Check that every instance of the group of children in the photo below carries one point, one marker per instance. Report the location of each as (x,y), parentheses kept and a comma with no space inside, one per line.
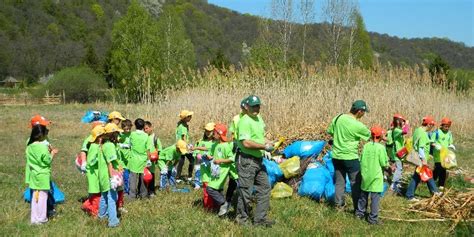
(385,151)
(119,162)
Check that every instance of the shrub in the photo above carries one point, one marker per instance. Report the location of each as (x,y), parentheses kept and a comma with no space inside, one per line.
(80,84)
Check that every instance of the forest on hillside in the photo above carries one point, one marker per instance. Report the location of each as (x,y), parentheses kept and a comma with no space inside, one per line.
(41,37)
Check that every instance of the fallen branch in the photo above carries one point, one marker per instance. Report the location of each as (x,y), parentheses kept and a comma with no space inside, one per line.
(414,220)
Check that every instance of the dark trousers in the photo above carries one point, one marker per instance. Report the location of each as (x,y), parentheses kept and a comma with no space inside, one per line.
(440,174)
(252,173)
(374,206)
(137,186)
(151,184)
(216,196)
(190,158)
(352,169)
(230,190)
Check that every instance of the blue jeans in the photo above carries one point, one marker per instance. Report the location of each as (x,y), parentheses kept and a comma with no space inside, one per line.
(168,176)
(397,176)
(126,186)
(108,207)
(197,178)
(415,180)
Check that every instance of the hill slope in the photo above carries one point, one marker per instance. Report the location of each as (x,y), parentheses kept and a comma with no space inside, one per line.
(41,37)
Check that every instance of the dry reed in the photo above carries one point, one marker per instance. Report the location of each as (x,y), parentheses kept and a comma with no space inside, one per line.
(303,100)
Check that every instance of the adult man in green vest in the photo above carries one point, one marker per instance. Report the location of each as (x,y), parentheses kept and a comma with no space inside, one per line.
(347,131)
(251,143)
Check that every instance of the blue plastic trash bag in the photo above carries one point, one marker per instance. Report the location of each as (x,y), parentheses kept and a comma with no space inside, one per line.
(27,195)
(57,194)
(328,163)
(274,172)
(385,188)
(348,184)
(330,192)
(93,115)
(317,183)
(304,149)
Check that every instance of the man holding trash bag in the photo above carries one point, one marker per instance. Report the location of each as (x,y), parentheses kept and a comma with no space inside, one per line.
(251,143)
(347,131)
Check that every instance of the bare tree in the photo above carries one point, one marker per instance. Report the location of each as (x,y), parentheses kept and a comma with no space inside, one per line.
(337,14)
(283,13)
(308,14)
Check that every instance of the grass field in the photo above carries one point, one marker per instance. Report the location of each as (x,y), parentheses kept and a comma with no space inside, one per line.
(288,108)
(170,213)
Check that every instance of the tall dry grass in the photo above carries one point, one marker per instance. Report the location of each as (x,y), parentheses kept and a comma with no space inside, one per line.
(305,98)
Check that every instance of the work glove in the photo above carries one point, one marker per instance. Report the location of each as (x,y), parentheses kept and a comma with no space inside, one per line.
(124,146)
(452,147)
(174,172)
(114,184)
(215,170)
(269,147)
(164,171)
(437,146)
(148,163)
(83,167)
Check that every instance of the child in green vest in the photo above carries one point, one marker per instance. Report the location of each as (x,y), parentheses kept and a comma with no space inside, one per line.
(169,157)
(182,133)
(396,142)
(223,157)
(154,145)
(39,160)
(91,205)
(110,176)
(202,172)
(441,137)
(139,157)
(124,152)
(422,144)
(372,163)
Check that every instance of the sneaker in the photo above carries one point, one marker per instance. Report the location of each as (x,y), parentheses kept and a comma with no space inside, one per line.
(223,209)
(265,223)
(189,179)
(377,222)
(179,181)
(114,225)
(441,188)
(243,222)
(438,194)
(122,210)
(413,200)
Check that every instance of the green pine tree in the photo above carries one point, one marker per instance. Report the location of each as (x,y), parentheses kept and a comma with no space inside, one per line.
(365,56)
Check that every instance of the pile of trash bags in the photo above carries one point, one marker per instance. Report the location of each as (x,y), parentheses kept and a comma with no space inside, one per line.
(314,180)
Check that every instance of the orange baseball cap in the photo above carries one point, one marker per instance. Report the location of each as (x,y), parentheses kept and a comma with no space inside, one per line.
(446,121)
(428,120)
(38,119)
(221,130)
(399,116)
(376,131)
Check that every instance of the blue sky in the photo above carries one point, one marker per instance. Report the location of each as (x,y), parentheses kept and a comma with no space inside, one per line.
(453,19)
